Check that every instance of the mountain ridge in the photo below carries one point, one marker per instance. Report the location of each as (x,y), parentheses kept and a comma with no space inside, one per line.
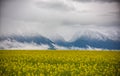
(82,41)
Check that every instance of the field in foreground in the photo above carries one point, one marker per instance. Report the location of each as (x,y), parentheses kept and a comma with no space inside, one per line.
(59,63)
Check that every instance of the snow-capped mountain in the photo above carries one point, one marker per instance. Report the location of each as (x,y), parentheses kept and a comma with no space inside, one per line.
(104,44)
(93,39)
(81,40)
(10,41)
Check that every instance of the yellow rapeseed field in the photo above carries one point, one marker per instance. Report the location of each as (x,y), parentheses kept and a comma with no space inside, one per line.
(59,63)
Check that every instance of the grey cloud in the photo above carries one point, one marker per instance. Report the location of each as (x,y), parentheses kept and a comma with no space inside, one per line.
(97,0)
(51,17)
(57,5)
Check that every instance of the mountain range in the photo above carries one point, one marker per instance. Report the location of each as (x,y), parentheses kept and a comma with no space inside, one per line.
(84,40)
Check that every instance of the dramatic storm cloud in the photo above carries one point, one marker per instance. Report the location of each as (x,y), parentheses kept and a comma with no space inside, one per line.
(51,18)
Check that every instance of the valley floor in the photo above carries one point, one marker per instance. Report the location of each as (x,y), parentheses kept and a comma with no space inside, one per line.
(59,63)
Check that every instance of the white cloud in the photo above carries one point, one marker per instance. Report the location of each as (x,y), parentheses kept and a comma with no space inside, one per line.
(94,31)
(12,44)
(60,47)
(76,48)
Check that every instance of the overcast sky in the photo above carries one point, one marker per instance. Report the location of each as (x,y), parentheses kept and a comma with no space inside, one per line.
(59,17)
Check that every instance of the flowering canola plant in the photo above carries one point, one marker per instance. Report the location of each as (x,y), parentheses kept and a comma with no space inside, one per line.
(59,63)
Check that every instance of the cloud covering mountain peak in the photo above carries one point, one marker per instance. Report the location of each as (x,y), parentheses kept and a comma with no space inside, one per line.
(97,34)
(41,42)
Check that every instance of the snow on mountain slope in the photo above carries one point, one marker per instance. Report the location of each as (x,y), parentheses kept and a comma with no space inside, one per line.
(56,37)
(97,35)
(12,44)
(81,40)
(94,39)
(8,42)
